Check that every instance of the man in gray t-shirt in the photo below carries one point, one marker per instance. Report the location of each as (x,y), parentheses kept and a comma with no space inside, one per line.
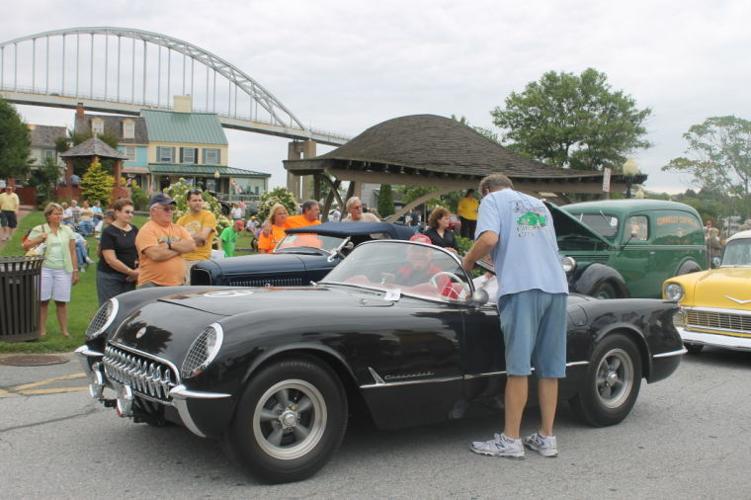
(517,230)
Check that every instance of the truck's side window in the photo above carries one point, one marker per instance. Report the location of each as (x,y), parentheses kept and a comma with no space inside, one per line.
(638,228)
(677,228)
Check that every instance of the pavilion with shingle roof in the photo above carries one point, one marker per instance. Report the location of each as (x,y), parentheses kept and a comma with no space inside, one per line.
(94,149)
(430,150)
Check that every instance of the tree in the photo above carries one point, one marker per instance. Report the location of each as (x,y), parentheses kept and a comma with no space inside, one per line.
(385,201)
(14,142)
(719,158)
(44,179)
(276,195)
(96,184)
(574,121)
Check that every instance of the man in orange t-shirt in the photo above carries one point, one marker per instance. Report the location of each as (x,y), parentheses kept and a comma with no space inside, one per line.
(311,210)
(161,245)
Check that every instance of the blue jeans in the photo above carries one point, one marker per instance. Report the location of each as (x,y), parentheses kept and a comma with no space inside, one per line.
(81,253)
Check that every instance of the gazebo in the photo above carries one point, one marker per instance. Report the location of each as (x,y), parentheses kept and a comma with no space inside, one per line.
(430,150)
(94,149)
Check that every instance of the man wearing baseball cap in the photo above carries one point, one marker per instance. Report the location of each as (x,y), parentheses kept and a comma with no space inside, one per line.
(161,244)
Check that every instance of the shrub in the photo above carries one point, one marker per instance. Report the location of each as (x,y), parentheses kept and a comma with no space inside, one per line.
(178,192)
(96,184)
(276,195)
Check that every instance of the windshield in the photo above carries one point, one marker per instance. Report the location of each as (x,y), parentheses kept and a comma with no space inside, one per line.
(603,223)
(407,267)
(310,240)
(737,253)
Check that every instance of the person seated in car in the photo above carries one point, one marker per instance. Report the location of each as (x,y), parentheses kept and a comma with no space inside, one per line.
(419,267)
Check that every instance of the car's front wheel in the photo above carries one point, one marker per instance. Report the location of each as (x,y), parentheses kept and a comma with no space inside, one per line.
(612,382)
(290,420)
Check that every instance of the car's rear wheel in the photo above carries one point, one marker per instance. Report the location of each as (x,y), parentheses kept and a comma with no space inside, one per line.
(290,420)
(612,382)
(694,348)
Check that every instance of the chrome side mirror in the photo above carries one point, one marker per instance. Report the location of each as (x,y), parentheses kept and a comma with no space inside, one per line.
(716,262)
(479,297)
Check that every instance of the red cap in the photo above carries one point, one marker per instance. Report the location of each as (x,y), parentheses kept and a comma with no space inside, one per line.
(421,238)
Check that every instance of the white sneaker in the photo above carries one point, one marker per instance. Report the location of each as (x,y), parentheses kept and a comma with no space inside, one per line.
(544,445)
(500,446)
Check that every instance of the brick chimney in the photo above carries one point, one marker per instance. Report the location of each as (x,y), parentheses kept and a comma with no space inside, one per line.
(79,111)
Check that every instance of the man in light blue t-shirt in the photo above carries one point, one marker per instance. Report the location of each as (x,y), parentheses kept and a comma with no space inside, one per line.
(517,230)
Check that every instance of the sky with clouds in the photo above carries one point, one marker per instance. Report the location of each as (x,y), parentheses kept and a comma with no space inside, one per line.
(347,65)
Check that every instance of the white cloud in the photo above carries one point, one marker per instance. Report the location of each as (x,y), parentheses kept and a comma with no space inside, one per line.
(345,66)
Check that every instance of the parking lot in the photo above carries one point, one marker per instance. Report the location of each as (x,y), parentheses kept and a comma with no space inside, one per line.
(686,437)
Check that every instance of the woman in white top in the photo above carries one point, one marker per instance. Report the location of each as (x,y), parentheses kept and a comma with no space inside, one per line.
(60,267)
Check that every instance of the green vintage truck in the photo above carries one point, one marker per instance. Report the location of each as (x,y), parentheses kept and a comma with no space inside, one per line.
(627,248)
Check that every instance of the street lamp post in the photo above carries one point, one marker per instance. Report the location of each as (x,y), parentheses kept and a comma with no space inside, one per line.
(630,170)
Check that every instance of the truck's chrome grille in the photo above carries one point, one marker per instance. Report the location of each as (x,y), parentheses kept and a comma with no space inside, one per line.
(147,376)
(740,323)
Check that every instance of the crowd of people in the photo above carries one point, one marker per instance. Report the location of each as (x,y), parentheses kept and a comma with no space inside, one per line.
(161,252)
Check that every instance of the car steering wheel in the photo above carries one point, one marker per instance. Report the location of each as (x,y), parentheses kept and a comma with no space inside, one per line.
(451,276)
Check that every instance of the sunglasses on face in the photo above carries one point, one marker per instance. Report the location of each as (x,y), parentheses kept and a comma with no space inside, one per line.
(168,208)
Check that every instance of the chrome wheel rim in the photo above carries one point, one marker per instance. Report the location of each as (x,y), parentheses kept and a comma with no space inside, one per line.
(615,378)
(289,419)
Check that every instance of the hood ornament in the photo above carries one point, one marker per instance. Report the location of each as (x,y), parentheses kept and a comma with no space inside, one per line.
(738,301)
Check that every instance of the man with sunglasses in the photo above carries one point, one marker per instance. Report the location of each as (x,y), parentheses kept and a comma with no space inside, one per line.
(161,245)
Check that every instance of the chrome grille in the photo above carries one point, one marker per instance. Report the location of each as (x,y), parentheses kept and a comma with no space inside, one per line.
(146,376)
(719,320)
(197,354)
(100,319)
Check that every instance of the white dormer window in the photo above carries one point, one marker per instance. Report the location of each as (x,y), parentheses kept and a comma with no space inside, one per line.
(129,129)
(97,126)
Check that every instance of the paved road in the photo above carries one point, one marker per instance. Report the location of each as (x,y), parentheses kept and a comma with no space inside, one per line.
(687,437)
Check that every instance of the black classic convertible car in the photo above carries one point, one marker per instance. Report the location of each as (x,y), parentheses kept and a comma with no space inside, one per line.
(306,254)
(398,328)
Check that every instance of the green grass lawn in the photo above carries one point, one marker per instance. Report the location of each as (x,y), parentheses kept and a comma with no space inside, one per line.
(83,304)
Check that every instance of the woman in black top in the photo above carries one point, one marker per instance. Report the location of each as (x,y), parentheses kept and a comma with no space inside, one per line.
(117,271)
(438,232)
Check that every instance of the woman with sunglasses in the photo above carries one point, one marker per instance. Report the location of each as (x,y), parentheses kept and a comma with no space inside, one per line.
(117,271)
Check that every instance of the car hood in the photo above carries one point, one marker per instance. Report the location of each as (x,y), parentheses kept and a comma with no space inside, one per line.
(726,287)
(228,301)
(279,262)
(167,327)
(566,224)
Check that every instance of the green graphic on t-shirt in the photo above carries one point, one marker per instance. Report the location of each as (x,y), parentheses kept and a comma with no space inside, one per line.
(530,221)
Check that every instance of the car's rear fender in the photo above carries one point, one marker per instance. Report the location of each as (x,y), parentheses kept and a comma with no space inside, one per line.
(635,335)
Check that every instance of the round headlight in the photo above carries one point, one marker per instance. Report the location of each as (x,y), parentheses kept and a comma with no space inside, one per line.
(102,319)
(674,292)
(568,264)
(203,351)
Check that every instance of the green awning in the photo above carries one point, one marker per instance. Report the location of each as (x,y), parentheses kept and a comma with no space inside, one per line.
(190,170)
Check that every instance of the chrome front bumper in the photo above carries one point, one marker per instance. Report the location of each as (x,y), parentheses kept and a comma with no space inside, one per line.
(717,340)
(179,396)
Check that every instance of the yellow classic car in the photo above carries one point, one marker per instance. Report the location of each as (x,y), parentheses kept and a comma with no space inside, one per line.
(716,304)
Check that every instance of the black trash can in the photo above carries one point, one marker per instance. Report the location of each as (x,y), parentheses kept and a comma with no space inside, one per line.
(20,282)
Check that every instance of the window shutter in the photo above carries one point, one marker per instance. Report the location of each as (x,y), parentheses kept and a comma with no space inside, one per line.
(172,155)
(182,155)
(195,155)
(218,156)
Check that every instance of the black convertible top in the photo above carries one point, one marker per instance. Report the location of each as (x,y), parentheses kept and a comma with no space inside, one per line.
(344,229)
